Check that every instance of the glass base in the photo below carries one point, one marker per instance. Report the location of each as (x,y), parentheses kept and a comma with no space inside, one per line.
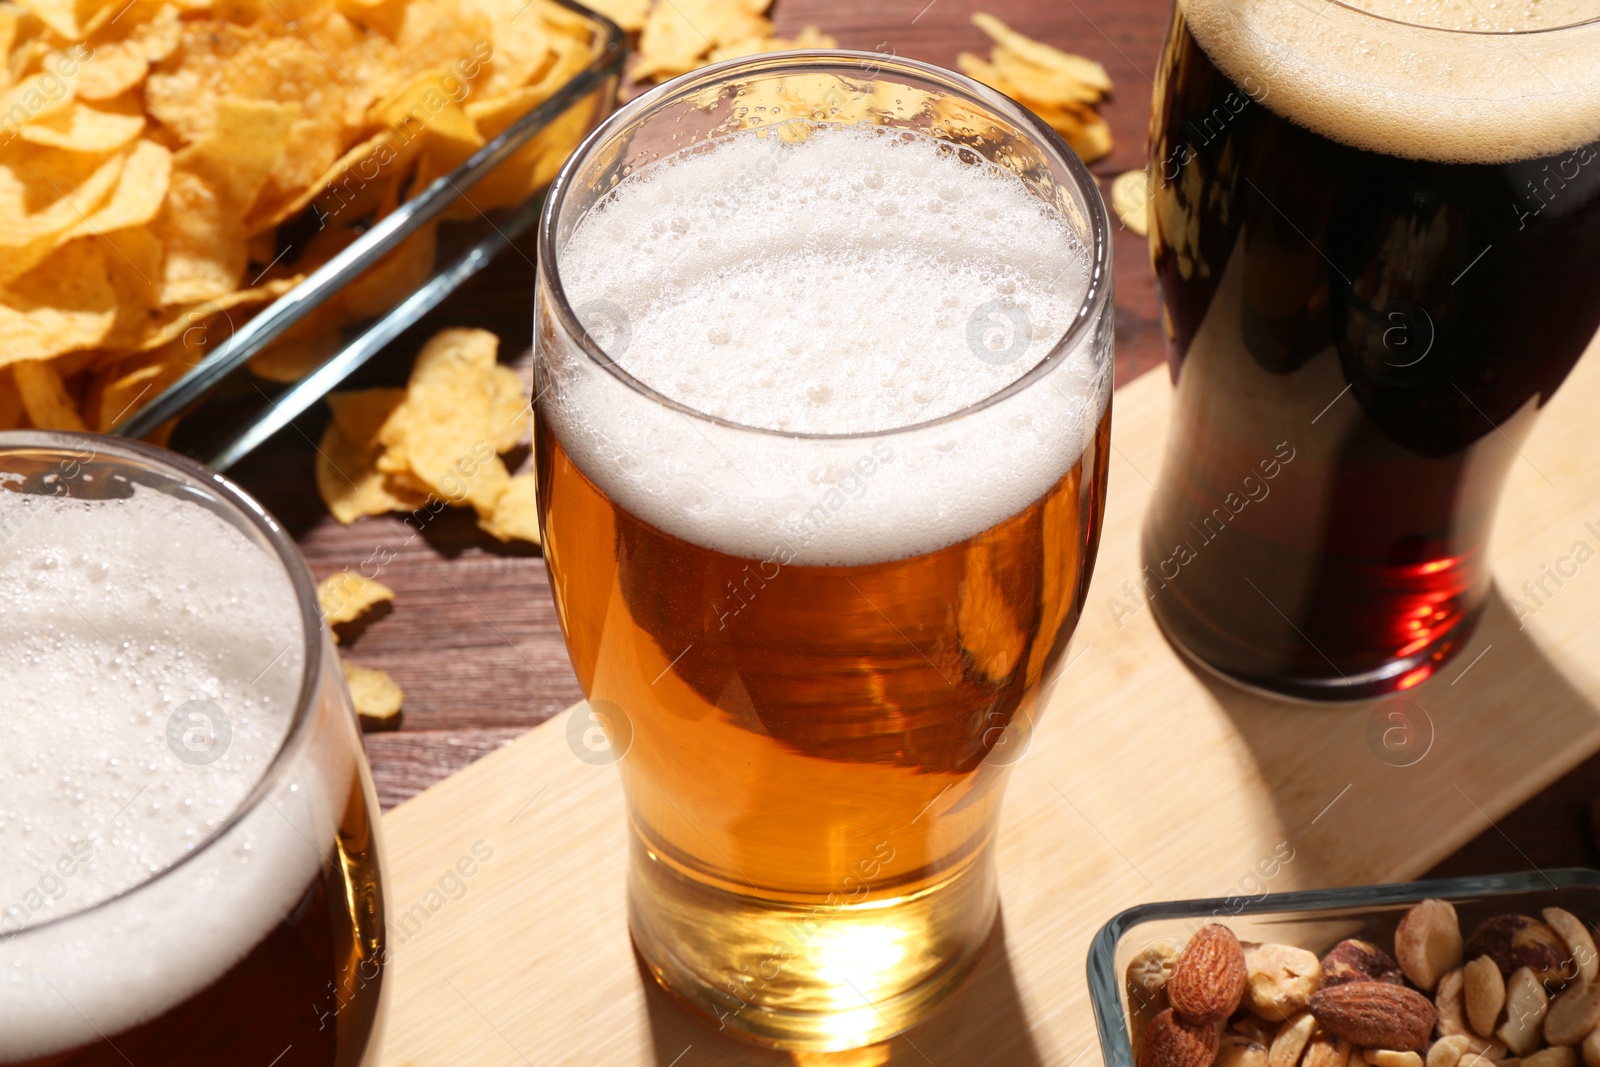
(1395,676)
(809,976)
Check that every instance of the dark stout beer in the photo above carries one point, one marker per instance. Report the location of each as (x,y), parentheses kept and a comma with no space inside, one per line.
(1377,262)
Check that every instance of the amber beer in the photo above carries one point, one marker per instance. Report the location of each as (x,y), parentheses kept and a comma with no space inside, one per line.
(208,888)
(816,555)
(1376,246)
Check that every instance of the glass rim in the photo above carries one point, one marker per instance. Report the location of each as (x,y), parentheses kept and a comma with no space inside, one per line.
(1452,32)
(824,60)
(186,471)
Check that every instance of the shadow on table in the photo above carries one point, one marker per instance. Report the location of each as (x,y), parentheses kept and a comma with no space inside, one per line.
(1495,724)
(981,1023)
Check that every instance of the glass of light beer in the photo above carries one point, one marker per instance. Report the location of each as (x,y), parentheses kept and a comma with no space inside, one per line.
(192,870)
(1376,234)
(823,367)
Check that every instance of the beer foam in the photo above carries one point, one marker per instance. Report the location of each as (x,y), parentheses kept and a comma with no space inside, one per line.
(848,281)
(117,613)
(1497,94)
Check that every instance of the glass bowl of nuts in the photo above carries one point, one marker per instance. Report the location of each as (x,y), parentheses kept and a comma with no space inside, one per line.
(1496,971)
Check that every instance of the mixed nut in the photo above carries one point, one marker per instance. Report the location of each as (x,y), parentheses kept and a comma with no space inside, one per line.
(1519,992)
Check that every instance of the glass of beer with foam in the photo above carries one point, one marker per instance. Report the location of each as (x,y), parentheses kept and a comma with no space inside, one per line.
(1375,227)
(823,368)
(192,871)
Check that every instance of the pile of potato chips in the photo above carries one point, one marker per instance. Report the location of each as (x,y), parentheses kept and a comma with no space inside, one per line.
(1061,88)
(346,597)
(437,441)
(677,36)
(168,167)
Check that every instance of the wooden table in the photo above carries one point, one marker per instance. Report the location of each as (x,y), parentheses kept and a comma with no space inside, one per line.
(473,637)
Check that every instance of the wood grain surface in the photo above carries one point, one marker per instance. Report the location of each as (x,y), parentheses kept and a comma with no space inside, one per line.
(473,636)
(1142,782)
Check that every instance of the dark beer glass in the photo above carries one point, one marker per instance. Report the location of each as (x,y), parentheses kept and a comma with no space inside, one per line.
(1377,246)
(261,940)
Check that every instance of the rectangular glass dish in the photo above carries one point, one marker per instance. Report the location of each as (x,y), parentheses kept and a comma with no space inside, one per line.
(225,409)
(1316,920)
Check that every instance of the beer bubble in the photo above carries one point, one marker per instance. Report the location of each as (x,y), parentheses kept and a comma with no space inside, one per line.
(888,208)
(819,394)
(719,335)
(872,180)
(199,732)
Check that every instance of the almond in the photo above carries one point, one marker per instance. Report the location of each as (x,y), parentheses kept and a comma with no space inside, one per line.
(1171,1041)
(1208,979)
(1376,1015)
(1579,942)
(1483,991)
(1516,941)
(1352,960)
(1427,943)
(1526,1004)
(1573,1015)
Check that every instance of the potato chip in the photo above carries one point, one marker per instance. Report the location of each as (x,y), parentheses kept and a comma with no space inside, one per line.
(679,33)
(1058,87)
(516,511)
(441,33)
(288,359)
(349,482)
(629,15)
(45,398)
(140,191)
(69,186)
(1042,55)
(1047,85)
(247,140)
(809,37)
(66,304)
(391,279)
(346,596)
(1130,199)
(66,18)
(120,395)
(360,414)
(204,238)
(376,697)
(521,45)
(443,434)
(196,324)
(82,128)
(112,69)
(510,408)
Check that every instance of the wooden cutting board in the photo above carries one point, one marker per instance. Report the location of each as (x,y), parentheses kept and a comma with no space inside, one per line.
(1144,781)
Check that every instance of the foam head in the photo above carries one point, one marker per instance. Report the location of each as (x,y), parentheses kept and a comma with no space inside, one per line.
(151,657)
(825,281)
(1498,93)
